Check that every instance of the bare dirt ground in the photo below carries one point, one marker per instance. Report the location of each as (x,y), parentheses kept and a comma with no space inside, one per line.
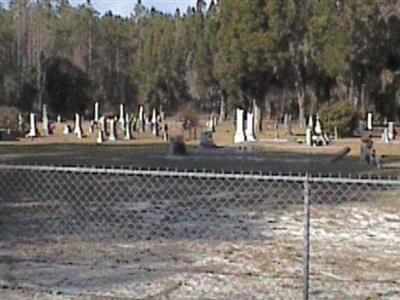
(355,254)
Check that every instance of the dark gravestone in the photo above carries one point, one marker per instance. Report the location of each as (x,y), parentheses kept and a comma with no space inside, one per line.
(8,135)
(177,146)
(206,141)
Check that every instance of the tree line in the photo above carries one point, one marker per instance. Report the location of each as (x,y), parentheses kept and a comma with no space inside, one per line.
(289,56)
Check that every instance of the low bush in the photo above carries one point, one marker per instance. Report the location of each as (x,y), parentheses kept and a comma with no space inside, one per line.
(341,115)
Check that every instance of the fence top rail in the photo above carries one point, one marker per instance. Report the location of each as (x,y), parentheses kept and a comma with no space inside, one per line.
(207,174)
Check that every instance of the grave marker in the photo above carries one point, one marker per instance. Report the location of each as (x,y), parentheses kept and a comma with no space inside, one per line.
(112,137)
(250,127)
(122,115)
(78,126)
(33,127)
(45,121)
(370,122)
(96,112)
(239,134)
(128,135)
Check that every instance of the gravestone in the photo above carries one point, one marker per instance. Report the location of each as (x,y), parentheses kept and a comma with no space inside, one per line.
(45,121)
(58,119)
(141,119)
(311,122)
(318,126)
(154,125)
(385,136)
(91,127)
(78,126)
(165,133)
(370,122)
(21,124)
(206,140)
(100,136)
(250,127)
(309,134)
(33,126)
(239,133)
(112,136)
(121,119)
(177,146)
(67,130)
(96,112)
(257,116)
(103,126)
(128,135)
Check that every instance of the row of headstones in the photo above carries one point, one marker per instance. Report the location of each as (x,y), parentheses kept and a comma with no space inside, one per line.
(125,120)
(127,123)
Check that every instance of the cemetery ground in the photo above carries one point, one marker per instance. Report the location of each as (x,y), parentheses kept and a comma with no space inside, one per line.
(145,150)
(256,255)
(354,244)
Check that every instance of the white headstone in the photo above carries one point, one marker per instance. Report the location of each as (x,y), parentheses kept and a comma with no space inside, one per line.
(112,137)
(250,128)
(33,129)
(121,119)
(309,136)
(318,126)
(311,122)
(102,123)
(385,136)
(58,119)
(154,122)
(45,121)
(128,135)
(66,130)
(96,112)
(100,137)
(141,119)
(239,134)
(369,121)
(78,127)
(91,127)
(20,122)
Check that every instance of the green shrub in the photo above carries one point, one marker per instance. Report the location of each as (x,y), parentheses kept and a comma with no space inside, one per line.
(341,115)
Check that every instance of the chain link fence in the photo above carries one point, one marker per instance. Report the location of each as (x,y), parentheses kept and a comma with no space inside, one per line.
(151,234)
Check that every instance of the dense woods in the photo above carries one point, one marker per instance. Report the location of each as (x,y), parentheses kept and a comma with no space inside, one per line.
(289,56)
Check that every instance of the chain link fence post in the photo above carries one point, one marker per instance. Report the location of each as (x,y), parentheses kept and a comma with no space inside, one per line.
(306,236)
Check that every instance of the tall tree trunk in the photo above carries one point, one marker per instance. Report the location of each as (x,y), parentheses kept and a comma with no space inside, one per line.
(301,98)
(223,108)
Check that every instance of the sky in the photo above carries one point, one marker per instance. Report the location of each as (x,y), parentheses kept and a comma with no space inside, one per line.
(125,7)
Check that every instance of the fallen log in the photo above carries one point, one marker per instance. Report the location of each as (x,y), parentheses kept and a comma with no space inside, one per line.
(340,155)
